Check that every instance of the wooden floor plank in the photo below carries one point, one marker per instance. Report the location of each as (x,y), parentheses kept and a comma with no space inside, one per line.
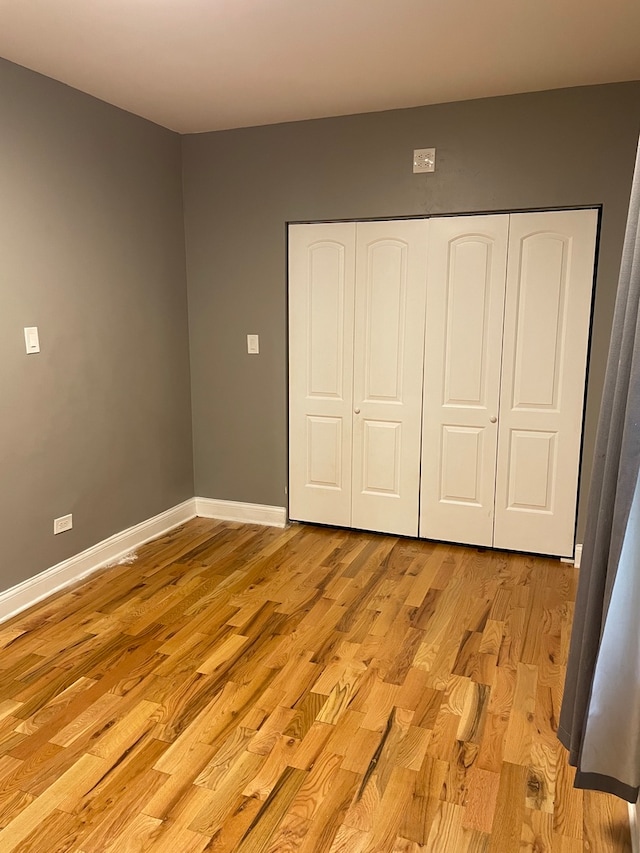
(242,689)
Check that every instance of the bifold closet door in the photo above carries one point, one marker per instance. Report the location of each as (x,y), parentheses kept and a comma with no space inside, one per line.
(356,338)
(321,301)
(464,315)
(391,261)
(546,331)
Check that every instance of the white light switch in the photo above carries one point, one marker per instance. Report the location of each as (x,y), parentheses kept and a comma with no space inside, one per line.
(32,342)
(253,344)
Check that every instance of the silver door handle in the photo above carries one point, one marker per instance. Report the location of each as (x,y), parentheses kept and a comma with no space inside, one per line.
(357,411)
(493,419)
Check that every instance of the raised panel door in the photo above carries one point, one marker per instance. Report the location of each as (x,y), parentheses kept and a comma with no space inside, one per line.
(464,315)
(389,341)
(321,300)
(547,310)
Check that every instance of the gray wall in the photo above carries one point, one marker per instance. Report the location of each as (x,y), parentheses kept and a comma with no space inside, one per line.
(561,148)
(92,252)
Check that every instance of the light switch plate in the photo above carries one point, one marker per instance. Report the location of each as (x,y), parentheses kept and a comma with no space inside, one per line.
(424,160)
(31,339)
(253,344)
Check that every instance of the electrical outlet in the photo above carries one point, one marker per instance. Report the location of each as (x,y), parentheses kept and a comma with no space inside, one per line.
(253,344)
(60,525)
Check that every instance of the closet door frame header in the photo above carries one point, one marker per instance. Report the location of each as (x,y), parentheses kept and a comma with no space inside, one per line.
(449,214)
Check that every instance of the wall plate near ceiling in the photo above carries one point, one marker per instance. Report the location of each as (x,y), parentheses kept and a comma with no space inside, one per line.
(424,160)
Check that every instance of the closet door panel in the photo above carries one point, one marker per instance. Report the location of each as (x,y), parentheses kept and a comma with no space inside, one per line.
(389,342)
(548,304)
(465,305)
(321,299)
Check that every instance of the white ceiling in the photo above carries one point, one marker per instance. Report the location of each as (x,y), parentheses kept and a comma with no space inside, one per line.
(196,65)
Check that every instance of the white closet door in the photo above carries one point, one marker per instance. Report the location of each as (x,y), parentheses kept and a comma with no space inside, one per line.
(321,299)
(389,342)
(465,304)
(547,310)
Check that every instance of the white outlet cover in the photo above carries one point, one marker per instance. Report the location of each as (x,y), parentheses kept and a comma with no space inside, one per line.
(253,344)
(424,160)
(60,525)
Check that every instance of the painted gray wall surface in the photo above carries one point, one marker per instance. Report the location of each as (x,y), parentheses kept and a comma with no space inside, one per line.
(92,252)
(551,149)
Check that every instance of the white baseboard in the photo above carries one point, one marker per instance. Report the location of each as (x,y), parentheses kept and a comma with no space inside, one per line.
(273,516)
(634,826)
(34,589)
(575,560)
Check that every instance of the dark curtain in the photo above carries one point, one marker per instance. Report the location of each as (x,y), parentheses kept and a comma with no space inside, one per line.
(600,717)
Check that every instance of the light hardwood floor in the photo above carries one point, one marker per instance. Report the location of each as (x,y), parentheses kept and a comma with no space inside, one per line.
(249,689)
